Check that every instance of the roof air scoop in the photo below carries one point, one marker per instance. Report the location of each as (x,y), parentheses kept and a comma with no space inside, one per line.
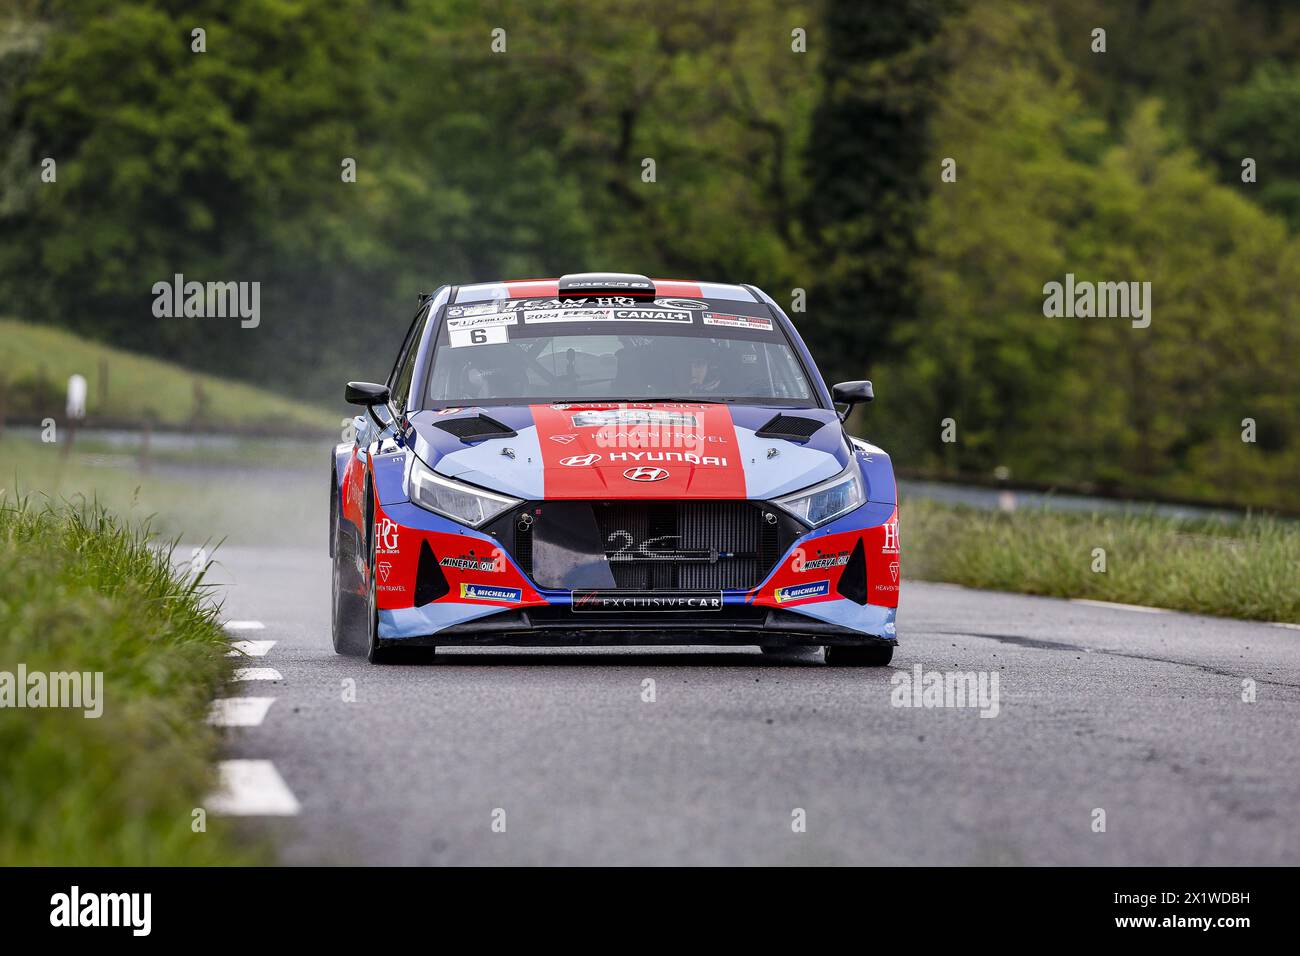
(590,285)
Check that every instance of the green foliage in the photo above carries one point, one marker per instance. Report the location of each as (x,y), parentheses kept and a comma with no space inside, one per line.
(817,170)
(80,592)
(1261,119)
(867,172)
(471,165)
(1093,401)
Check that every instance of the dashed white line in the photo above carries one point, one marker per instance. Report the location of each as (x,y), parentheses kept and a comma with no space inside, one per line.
(1122,607)
(257,673)
(250,648)
(251,788)
(244,626)
(239,711)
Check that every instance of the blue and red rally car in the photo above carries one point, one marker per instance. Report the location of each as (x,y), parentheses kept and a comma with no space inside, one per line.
(609,459)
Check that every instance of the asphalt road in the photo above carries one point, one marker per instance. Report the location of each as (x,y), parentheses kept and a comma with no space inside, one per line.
(1139,715)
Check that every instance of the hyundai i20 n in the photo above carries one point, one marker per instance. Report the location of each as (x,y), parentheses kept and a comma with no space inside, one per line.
(606,459)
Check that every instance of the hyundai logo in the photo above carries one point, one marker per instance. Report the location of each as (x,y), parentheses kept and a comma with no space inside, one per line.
(646,474)
(581,461)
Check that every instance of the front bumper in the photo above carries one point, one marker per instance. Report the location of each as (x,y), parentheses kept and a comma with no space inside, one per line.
(738,622)
(484,597)
(541,627)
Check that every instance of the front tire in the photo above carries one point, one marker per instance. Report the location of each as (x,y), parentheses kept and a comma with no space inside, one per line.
(347,607)
(859,655)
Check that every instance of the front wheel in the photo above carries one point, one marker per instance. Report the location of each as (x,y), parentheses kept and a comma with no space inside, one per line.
(859,655)
(348,608)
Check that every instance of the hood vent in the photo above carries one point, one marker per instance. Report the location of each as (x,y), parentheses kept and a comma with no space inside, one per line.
(790,427)
(475,428)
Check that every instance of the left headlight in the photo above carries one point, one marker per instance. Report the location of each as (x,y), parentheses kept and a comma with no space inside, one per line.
(455,499)
(829,499)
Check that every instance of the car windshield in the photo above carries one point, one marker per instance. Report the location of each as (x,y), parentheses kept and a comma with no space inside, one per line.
(537,350)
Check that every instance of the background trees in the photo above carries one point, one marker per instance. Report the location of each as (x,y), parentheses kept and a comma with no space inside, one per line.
(818,170)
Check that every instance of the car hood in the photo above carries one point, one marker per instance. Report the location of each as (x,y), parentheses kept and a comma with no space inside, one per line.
(607,450)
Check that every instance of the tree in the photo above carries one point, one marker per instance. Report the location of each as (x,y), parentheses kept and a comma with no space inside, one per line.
(867,174)
(1261,119)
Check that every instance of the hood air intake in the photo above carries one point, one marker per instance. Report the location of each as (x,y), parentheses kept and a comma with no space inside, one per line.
(790,427)
(475,428)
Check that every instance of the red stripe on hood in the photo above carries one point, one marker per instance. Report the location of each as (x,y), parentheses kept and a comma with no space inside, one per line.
(595,450)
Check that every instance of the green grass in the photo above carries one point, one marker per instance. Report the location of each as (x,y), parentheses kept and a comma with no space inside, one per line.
(39,359)
(260,492)
(80,591)
(1248,569)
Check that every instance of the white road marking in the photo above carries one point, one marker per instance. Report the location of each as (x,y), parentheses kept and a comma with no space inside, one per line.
(257,673)
(1122,607)
(1294,627)
(251,788)
(250,648)
(239,711)
(244,626)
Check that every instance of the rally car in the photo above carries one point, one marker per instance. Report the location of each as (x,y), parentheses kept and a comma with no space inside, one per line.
(606,459)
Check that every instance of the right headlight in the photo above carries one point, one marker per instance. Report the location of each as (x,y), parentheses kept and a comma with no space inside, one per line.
(455,499)
(829,499)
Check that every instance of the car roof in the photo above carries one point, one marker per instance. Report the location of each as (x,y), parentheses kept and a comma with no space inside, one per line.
(550,288)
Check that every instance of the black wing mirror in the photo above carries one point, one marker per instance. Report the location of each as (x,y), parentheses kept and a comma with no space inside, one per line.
(369,395)
(850,394)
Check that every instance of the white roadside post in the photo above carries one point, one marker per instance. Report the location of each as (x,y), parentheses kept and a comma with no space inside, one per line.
(76,407)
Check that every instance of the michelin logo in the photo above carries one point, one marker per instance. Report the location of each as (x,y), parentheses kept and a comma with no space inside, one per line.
(484,592)
(797,592)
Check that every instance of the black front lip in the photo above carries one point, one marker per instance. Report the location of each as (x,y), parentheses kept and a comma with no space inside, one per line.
(542,627)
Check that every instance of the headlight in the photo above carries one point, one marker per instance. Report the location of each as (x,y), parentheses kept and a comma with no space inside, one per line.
(828,500)
(454,499)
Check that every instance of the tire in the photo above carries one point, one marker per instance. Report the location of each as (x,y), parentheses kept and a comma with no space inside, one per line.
(347,608)
(859,655)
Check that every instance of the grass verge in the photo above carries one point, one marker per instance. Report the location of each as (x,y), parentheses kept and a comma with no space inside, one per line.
(277,496)
(80,591)
(1248,569)
(124,387)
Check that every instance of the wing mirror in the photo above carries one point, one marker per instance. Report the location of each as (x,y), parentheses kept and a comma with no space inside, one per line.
(850,394)
(368,394)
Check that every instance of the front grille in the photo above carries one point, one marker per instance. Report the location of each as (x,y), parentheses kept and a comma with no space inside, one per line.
(677,545)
